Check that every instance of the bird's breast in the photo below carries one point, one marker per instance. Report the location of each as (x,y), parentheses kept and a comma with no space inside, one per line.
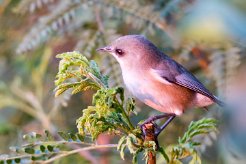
(167,98)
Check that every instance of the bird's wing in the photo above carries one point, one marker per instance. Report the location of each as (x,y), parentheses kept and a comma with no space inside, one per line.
(174,73)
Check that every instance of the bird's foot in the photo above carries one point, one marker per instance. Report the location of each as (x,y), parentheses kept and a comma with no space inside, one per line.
(158,129)
(148,130)
(142,126)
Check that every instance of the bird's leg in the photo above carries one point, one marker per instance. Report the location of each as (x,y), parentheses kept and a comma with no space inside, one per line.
(157,117)
(160,129)
(153,118)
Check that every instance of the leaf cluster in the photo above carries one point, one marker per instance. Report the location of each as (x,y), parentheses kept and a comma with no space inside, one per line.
(77,73)
(187,144)
(106,114)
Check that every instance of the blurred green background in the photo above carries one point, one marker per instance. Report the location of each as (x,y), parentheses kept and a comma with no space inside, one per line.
(207,37)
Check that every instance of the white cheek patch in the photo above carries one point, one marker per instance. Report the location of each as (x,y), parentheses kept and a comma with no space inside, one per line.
(156,76)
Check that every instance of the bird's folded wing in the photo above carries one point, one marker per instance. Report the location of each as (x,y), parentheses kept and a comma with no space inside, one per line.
(177,74)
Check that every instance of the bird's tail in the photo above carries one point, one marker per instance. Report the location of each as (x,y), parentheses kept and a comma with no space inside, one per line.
(219,102)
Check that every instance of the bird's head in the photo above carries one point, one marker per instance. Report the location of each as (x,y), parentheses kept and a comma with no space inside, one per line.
(130,50)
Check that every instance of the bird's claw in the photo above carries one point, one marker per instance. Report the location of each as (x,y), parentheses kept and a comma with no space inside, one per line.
(148,122)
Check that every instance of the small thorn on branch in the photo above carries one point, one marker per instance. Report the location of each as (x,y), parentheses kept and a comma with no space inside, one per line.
(149,135)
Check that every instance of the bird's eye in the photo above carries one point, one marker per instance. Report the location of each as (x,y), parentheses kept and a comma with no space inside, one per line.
(119,52)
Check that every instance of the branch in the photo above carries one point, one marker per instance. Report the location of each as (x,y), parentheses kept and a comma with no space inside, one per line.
(149,131)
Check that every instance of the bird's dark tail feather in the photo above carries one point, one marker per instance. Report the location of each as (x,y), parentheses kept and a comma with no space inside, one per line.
(219,102)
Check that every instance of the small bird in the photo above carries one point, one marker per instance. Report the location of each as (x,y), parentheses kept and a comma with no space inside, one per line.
(156,79)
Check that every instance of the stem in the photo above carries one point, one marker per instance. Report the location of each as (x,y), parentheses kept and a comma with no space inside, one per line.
(149,131)
(79,150)
(101,85)
(127,118)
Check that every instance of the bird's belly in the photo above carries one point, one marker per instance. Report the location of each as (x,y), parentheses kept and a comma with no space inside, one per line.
(162,97)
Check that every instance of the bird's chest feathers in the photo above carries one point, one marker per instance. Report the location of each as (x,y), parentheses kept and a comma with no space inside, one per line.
(160,95)
(147,89)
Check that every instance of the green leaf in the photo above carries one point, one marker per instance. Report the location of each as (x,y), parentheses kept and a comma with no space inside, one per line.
(122,153)
(17,160)
(120,91)
(50,148)
(29,150)
(31,137)
(121,141)
(42,148)
(135,159)
(130,142)
(33,158)
(130,106)
(195,159)
(80,137)
(60,91)
(135,156)
(73,136)
(164,154)
(49,137)
(94,67)
(64,136)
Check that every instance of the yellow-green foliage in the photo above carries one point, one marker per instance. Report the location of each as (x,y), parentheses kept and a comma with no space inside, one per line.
(76,72)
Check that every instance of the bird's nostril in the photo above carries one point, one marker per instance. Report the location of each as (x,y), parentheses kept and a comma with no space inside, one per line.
(105,49)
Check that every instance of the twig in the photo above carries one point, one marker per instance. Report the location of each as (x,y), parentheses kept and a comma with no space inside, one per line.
(79,150)
(87,155)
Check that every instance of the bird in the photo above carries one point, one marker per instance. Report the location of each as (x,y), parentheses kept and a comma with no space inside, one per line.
(158,80)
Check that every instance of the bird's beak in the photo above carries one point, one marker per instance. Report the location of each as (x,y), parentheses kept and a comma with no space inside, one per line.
(105,49)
